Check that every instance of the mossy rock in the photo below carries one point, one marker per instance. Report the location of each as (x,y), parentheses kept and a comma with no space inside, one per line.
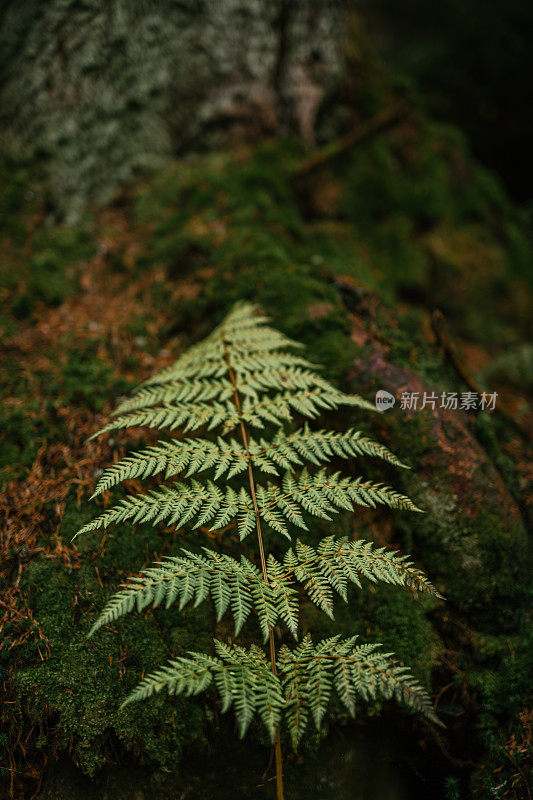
(230,227)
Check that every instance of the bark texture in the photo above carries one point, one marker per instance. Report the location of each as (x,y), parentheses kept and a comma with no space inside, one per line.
(105,90)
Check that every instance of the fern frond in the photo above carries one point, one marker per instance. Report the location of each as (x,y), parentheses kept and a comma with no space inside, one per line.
(310,672)
(188,456)
(316,447)
(184,579)
(210,505)
(244,365)
(244,331)
(182,391)
(188,416)
(196,391)
(277,410)
(242,678)
(239,586)
(192,578)
(341,562)
(240,377)
(307,676)
(279,377)
(320,495)
(280,408)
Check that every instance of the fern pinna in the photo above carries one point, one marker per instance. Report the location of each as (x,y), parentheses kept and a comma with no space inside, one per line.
(241,378)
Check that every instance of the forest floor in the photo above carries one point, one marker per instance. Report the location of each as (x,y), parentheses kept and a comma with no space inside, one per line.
(353,260)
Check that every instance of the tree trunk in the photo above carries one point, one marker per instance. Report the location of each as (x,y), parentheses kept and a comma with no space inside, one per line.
(107,90)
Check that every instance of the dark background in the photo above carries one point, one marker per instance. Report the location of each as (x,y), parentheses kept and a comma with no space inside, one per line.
(472,61)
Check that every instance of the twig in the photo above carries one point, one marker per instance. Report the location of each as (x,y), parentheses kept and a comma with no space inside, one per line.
(334,150)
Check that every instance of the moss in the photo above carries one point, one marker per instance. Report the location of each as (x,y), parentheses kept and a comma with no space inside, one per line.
(426,212)
(243,222)
(421,212)
(52,270)
(21,194)
(427,176)
(494,432)
(401,624)
(20,437)
(378,184)
(41,262)
(502,673)
(401,259)
(479,559)
(408,347)
(85,379)
(82,682)
(75,375)
(501,680)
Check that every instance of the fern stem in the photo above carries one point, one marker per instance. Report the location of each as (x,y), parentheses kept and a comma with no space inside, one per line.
(272,645)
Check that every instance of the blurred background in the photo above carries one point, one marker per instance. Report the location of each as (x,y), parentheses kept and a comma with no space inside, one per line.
(363,171)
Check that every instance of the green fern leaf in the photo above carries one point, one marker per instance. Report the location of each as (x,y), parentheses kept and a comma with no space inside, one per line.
(193,577)
(241,377)
(242,678)
(310,672)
